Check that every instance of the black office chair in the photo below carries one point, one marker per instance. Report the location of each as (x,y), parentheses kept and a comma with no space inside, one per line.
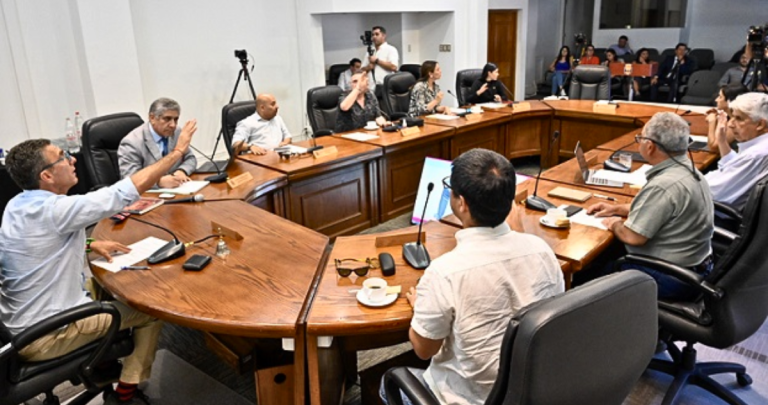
(397,94)
(705,58)
(592,343)
(702,88)
(733,305)
(21,380)
(231,114)
(600,53)
(723,67)
(101,139)
(590,82)
(464,81)
(653,55)
(665,53)
(334,72)
(322,109)
(413,69)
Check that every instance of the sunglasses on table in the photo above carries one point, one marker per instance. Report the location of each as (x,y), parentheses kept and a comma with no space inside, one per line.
(345,267)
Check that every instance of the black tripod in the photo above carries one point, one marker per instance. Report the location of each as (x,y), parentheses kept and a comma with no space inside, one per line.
(755,70)
(243,74)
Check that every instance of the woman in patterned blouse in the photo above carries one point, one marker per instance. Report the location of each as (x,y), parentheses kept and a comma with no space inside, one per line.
(358,105)
(426,95)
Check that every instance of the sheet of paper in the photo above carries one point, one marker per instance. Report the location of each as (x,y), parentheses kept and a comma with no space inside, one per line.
(458,110)
(188,188)
(582,218)
(494,106)
(292,149)
(443,117)
(360,136)
(637,177)
(140,250)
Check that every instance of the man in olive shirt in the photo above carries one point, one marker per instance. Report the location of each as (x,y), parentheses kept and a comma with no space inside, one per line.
(672,217)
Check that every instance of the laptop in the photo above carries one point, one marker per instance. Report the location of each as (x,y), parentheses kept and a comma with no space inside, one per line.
(217,166)
(589,175)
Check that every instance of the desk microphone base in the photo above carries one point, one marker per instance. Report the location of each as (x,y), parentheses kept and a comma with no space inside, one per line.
(415,254)
(538,204)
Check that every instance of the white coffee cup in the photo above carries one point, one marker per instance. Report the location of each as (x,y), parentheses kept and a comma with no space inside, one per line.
(375,289)
(371,124)
(553,214)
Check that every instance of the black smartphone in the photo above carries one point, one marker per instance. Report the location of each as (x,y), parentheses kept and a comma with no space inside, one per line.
(571,210)
(196,262)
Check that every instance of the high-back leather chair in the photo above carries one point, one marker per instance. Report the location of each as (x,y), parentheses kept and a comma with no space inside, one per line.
(464,80)
(231,114)
(22,380)
(101,139)
(653,55)
(702,88)
(592,343)
(334,72)
(413,69)
(732,306)
(705,58)
(590,82)
(397,94)
(322,109)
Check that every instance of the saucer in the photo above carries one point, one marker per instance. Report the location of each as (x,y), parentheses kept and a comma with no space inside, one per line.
(363,299)
(545,221)
(371,128)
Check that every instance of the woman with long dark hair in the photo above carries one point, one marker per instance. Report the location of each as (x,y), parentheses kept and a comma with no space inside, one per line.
(426,95)
(561,66)
(487,88)
(642,83)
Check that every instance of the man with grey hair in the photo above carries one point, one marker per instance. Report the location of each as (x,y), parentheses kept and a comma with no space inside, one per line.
(152,141)
(737,173)
(672,217)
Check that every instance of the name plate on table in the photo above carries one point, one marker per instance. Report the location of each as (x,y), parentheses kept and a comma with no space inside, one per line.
(473,117)
(604,108)
(522,106)
(327,151)
(410,131)
(220,229)
(238,181)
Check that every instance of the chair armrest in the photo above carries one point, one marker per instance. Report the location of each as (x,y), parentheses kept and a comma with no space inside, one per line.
(728,211)
(724,234)
(322,132)
(400,379)
(64,318)
(681,273)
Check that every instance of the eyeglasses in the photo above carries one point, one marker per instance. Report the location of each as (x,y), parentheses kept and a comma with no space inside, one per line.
(66,156)
(447,182)
(638,138)
(345,267)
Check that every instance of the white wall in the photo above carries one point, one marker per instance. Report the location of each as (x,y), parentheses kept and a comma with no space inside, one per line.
(12,119)
(341,34)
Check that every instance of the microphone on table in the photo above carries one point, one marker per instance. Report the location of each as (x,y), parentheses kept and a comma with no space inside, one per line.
(192,198)
(415,253)
(461,114)
(535,202)
(220,177)
(169,251)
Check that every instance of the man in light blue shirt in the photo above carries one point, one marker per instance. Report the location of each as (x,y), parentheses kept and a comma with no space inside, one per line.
(42,254)
(737,173)
(263,130)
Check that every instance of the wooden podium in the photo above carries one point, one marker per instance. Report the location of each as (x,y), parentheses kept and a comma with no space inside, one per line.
(633,70)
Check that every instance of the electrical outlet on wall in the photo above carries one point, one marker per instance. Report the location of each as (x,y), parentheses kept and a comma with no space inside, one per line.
(445,47)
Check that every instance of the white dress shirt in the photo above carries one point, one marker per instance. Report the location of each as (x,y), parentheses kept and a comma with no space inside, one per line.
(387,53)
(257,131)
(737,173)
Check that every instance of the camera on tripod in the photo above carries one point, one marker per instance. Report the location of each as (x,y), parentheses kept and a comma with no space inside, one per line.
(580,39)
(757,40)
(242,54)
(367,39)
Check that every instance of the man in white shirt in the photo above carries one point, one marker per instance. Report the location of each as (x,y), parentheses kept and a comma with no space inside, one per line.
(262,131)
(466,297)
(346,77)
(737,173)
(385,60)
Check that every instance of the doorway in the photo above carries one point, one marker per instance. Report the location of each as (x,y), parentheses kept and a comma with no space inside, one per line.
(502,45)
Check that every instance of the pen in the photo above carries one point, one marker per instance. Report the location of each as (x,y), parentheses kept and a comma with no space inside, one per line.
(605,197)
(134,268)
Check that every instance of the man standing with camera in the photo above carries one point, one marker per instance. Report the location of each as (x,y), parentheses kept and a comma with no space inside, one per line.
(383,61)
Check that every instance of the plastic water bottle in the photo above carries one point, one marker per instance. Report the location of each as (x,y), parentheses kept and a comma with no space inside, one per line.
(444,199)
(73,144)
(79,120)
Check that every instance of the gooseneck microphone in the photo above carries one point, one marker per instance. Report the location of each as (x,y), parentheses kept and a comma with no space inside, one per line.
(535,202)
(506,90)
(415,253)
(220,177)
(169,251)
(192,198)
(461,114)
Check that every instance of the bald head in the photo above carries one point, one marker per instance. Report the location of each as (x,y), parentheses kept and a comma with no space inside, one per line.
(266,106)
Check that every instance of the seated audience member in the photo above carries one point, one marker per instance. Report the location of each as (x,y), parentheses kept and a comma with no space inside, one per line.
(737,173)
(589,57)
(487,88)
(610,57)
(561,67)
(462,305)
(344,78)
(358,105)
(622,48)
(42,257)
(426,95)
(736,73)
(671,72)
(672,217)
(642,85)
(725,95)
(152,141)
(263,130)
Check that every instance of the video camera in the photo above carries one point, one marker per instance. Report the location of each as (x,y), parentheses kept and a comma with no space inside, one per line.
(242,54)
(367,39)
(757,40)
(579,39)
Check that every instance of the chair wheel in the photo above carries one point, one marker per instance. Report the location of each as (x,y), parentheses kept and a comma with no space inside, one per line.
(743,379)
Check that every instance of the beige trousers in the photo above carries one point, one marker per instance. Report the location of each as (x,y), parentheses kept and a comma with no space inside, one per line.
(136,367)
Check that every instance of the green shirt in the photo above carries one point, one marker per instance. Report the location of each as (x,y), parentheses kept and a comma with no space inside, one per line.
(675,212)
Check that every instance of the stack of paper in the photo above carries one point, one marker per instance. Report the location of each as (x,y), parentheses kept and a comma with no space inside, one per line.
(140,250)
(637,177)
(292,149)
(492,106)
(188,188)
(443,117)
(359,136)
(582,218)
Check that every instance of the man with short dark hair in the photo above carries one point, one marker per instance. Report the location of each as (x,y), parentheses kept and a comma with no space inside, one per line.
(344,78)
(466,297)
(622,48)
(672,217)
(154,139)
(735,74)
(42,255)
(671,72)
(384,60)
(263,130)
